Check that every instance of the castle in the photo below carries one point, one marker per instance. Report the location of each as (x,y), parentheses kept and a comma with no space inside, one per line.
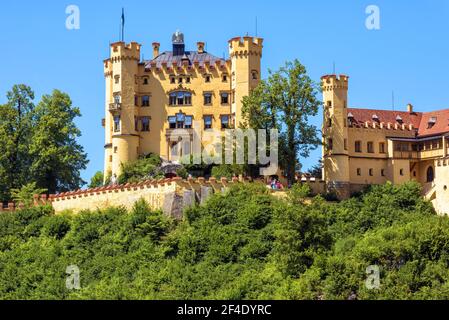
(365,146)
(147,100)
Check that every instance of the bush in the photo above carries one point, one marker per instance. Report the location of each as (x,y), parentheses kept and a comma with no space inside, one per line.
(227,171)
(298,193)
(142,169)
(243,243)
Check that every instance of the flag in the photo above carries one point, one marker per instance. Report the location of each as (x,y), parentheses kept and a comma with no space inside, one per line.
(123,24)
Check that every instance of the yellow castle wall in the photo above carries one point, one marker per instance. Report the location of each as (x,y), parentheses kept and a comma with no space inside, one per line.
(124,64)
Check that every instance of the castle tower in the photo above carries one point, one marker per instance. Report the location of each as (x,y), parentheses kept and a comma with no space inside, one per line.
(122,139)
(246,55)
(335,134)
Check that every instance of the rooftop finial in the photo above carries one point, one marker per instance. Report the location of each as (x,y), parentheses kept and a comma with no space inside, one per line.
(178,37)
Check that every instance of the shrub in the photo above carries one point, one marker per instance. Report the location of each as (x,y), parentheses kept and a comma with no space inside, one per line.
(227,171)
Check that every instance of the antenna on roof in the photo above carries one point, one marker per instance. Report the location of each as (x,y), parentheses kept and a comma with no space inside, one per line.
(256,26)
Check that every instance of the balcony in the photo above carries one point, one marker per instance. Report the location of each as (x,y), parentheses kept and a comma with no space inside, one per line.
(116,106)
(419,155)
(406,155)
(188,133)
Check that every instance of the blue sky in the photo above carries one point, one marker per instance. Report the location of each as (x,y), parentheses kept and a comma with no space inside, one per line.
(409,54)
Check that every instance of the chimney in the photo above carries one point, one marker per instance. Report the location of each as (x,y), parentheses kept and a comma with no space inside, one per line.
(409,108)
(156,46)
(200,47)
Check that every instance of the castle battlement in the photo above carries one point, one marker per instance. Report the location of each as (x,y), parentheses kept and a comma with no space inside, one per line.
(332,82)
(242,47)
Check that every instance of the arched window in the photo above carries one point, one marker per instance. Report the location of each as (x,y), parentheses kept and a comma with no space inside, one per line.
(180,98)
(430,174)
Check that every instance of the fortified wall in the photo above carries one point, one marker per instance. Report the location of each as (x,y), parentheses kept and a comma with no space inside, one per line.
(171,196)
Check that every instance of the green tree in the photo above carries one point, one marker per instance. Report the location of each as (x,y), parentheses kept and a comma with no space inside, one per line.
(57,158)
(286,101)
(15,130)
(26,194)
(97,180)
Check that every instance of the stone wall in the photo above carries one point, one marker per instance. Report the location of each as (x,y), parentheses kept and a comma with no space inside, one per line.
(169,195)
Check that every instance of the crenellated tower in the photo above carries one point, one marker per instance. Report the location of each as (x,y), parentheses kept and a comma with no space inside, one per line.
(246,55)
(335,134)
(121,72)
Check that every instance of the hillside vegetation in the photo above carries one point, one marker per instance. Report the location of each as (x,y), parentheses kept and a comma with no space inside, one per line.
(244,244)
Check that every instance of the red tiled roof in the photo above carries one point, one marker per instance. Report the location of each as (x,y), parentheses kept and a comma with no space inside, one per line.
(419,120)
(441,125)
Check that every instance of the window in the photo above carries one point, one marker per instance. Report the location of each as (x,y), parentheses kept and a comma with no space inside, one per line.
(207,122)
(117,79)
(431,122)
(172,80)
(255,75)
(359,171)
(430,174)
(345,144)
(188,122)
(136,123)
(188,80)
(117,99)
(358,146)
(180,80)
(145,81)
(329,123)
(382,172)
(224,122)
(382,147)
(180,119)
(145,101)
(330,144)
(207,79)
(115,149)
(207,99)
(224,78)
(370,147)
(224,98)
(172,122)
(371,172)
(117,124)
(180,98)
(145,124)
(401,172)
(329,103)
(136,101)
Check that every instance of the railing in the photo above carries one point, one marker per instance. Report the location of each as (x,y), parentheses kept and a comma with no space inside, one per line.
(180,131)
(406,154)
(116,106)
(424,154)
